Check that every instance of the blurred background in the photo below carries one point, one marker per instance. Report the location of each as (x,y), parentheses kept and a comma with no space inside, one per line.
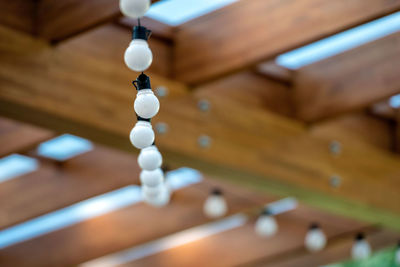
(284,114)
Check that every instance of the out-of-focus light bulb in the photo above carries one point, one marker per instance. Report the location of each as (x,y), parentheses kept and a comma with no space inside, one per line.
(142,135)
(161,199)
(361,249)
(315,239)
(151,191)
(138,56)
(134,8)
(266,225)
(397,255)
(150,158)
(152,178)
(215,205)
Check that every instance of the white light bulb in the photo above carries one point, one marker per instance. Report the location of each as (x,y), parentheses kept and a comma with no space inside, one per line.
(159,200)
(150,158)
(146,104)
(134,8)
(397,255)
(142,135)
(151,191)
(361,249)
(138,56)
(266,225)
(215,205)
(315,239)
(152,178)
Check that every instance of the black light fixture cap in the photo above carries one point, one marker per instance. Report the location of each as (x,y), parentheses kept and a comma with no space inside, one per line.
(216,192)
(360,236)
(142,119)
(314,226)
(142,82)
(140,32)
(266,212)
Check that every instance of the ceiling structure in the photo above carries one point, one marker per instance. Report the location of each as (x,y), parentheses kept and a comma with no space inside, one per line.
(324,132)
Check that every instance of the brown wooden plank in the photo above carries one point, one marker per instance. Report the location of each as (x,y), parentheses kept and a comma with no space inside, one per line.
(124,228)
(53,187)
(17,137)
(337,251)
(358,127)
(241,246)
(18,14)
(349,81)
(249,32)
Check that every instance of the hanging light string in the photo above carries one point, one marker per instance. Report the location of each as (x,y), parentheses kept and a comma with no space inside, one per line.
(138,57)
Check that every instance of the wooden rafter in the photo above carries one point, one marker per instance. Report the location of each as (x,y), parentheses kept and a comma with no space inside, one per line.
(349,81)
(252,31)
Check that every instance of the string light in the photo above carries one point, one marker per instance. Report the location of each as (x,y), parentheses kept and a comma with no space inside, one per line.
(361,249)
(397,255)
(152,178)
(266,225)
(215,205)
(138,57)
(142,134)
(134,8)
(150,158)
(315,238)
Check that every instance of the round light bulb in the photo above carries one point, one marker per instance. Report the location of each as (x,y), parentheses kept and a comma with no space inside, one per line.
(152,178)
(134,8)
(215,206)
(361,249)
(150,158)
(397,255)
(146,104)
(315,239)
(266,225)
(138,56)
(142,135)
(151,191)
(161,199)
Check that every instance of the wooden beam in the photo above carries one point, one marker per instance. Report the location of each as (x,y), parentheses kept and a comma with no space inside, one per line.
(55,20)
(16,137)
(349,81)
(123,228)
(246,33)
(53,187)
(244,138)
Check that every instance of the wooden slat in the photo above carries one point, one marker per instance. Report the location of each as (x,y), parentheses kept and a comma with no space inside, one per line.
(244,138)
(123,228)
(358,127)
(16,137)
(336,251)
(53,187)
(241,246)
(250,32)
(349,81)
(55,20)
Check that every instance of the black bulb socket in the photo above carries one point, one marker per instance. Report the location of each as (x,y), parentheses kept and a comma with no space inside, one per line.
(216,192)
(142,82)
(360,237)
(142,119)
(140,32)
(314,226)
(266,212)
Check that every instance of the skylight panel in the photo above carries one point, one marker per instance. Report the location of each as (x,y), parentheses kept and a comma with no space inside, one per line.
(340,42)
(16,165)
(64,147)
(90,208)
(175,12)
